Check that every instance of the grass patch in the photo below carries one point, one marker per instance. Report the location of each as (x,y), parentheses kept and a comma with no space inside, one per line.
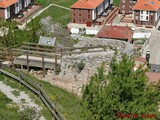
(9,110)
(116,2)
(16,93)
(67,103)
(65,3)
(16,85)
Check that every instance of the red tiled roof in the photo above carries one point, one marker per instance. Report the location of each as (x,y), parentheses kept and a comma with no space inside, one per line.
(153,77)
(140,59)
(87,4)
(7,3)
(152,5)
(116,32)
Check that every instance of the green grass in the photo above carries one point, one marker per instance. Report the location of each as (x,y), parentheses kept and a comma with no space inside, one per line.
(67,103)
(59,15)
(66,3)
(10,111)
(116,2)
(15,85)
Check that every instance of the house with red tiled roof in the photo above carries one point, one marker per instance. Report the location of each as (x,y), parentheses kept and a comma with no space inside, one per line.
(116,32)
(11,8)
(146,12)
(87,11)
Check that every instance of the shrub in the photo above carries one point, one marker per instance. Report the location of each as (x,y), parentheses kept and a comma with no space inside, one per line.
(81,65)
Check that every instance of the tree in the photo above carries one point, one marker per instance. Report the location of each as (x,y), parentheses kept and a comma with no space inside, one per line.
(123,91)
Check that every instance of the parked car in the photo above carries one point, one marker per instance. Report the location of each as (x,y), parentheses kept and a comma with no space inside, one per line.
(142,30)
(148,51)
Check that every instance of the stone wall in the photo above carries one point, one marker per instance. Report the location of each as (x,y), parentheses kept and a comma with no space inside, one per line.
(74,78)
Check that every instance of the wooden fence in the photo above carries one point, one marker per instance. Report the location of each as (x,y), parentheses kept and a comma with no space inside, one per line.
(45,57)
(34,87)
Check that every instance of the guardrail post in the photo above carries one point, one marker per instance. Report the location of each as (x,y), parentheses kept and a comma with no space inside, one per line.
(43,65)
(27,55)
(12,63)
(55,67)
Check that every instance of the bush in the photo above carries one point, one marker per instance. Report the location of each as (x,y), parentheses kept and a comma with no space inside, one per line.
(81,65)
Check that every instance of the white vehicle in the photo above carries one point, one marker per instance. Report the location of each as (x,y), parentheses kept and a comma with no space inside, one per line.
(142,30)
(133,29)
(148,52)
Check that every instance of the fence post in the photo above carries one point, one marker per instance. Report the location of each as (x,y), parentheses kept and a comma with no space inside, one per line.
(11,52)
(43,65)
(55,69)
(61,52)
(86,49)
(27,55)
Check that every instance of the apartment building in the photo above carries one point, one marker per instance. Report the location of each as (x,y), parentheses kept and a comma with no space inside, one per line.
(126,6)
(84,11)
(146,12)
(11,8)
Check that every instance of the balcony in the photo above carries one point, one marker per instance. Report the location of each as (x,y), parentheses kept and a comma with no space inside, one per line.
(23,16)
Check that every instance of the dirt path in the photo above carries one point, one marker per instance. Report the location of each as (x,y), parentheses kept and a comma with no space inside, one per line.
(21,99)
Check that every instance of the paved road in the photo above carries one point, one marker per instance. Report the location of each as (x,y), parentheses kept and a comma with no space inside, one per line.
(154,47)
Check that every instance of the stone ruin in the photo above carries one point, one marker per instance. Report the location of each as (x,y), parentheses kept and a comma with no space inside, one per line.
(71,78)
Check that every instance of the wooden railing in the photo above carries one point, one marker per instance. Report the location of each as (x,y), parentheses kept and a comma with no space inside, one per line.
(29,54)
(34,87)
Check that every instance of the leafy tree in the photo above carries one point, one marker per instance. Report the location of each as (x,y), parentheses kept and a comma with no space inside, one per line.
(123,90)
(14,36)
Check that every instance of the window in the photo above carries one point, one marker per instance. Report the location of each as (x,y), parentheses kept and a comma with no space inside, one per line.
(20,4)
(74,20)
(88,16)
(146,17)
(79,14)
(136,12)
(16,5)
(88,11)
(147,12)
(8,12)
(141,12)
(79,20)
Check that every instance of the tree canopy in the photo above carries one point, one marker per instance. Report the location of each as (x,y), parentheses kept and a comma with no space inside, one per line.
(120,93)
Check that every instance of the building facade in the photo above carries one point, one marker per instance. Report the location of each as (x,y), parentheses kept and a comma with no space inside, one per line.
(126,6)
(11,8)
(146,12)
(84,11)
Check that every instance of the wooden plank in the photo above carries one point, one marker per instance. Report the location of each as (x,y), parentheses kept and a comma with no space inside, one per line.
(43,63)
(35,52)
(37,48)
(27,55)
(35,44)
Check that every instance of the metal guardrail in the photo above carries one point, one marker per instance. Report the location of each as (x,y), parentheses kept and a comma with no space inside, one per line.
(34,87)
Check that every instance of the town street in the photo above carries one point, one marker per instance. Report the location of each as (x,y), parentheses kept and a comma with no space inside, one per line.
(154,47)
